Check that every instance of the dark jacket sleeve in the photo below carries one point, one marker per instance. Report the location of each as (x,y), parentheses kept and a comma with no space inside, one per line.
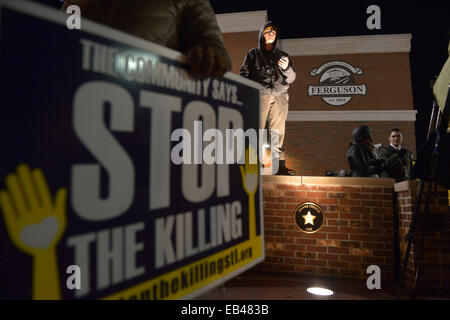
(410,164)
(388,158)
(359,164)
(410,156)
(247,65)
(199,25)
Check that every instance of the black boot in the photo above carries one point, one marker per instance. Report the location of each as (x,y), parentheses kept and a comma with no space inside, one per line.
(283,170)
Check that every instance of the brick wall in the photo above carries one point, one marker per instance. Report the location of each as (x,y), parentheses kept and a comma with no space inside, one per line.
(312,147)
(435,275)
(357,231)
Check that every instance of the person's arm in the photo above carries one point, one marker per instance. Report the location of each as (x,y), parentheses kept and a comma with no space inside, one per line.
(373,168)
(357,161)
(289,71)
(411,165)
(245,68)
(389,159)
(201,38)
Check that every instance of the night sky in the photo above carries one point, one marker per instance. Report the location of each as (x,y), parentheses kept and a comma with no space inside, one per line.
(427,21)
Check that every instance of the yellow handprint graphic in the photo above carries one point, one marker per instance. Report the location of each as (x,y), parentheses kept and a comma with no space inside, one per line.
(250,179)
(35,225)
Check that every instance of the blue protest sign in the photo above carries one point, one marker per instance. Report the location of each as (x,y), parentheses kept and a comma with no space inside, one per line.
(101,196)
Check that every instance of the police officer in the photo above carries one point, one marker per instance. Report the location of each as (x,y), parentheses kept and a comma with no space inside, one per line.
(398,161)
(361,156)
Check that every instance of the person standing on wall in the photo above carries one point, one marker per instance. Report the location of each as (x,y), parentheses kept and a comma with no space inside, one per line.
(274,70)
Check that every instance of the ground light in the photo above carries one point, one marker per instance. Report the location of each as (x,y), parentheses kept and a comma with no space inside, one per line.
(320,291)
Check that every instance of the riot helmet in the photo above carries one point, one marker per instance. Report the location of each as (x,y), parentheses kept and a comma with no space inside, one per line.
(361,133)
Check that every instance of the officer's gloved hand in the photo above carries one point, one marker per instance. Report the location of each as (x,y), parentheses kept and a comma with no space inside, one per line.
(390,162)
(208,61)
(395,156)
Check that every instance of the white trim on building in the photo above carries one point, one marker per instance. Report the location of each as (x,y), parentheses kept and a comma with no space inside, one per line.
(353,115)
(347,45)
(241,21)
(253,20)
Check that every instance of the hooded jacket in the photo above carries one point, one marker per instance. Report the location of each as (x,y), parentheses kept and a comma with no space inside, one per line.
(261,66)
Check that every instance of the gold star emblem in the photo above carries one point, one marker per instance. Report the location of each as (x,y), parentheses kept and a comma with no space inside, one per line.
(309,218)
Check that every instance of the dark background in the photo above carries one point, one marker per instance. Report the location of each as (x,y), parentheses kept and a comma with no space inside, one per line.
(427,21)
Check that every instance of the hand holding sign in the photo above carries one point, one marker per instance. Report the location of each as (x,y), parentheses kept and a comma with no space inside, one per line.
(250,183)
(35,225)
(208,61)
(250,173)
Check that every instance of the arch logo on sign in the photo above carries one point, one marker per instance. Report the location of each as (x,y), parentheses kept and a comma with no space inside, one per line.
(337,83)
(309,217)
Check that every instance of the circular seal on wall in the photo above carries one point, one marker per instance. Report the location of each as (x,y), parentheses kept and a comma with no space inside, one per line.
(309,217)
(337,84)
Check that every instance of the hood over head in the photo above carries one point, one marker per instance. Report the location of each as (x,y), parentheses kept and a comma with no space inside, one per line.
(262,41)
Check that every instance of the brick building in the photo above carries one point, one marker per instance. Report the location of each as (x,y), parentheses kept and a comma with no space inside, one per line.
(319,124)
(343,82)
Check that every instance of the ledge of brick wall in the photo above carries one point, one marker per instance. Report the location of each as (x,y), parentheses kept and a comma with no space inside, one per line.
(358,228)
(331,181)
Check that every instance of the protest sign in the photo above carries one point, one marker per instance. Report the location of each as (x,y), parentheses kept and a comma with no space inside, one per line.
(93,205)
